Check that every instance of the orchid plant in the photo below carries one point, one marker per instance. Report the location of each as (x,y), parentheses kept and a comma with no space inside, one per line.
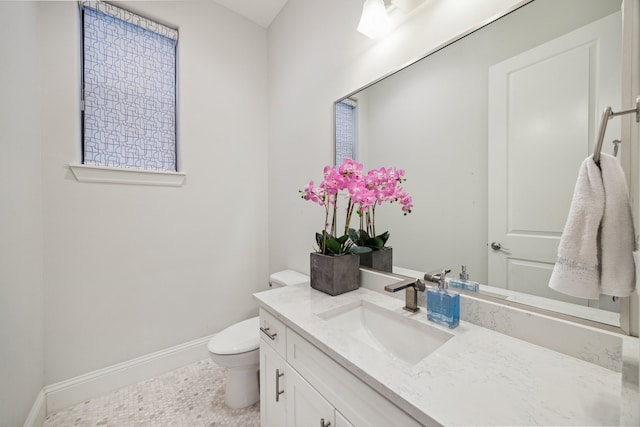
(365,192)
(378,186)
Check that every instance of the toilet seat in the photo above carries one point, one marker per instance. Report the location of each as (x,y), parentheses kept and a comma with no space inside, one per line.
(238,338)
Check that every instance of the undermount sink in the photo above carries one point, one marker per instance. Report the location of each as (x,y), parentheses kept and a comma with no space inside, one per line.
(387,331)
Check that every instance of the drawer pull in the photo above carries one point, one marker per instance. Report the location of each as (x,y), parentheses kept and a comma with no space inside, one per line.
(266,332)
(322,423)
(278,391)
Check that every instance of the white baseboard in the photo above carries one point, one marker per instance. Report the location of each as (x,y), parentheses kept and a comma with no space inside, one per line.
(96,383)
(38,411)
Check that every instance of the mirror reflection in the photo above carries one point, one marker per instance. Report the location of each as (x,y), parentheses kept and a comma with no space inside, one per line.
(491,131)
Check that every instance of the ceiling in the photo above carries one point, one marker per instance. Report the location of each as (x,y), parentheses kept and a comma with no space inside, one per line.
(262,12)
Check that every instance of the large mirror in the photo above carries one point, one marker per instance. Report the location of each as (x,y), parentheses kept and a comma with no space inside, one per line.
(491,131)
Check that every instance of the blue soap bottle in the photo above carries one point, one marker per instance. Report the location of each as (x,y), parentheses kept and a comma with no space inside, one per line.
(443,307)
(464,283)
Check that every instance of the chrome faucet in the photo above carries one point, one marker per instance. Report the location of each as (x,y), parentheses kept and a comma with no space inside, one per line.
(412,286)
(437,276)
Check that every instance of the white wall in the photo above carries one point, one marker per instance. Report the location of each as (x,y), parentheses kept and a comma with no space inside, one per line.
(21,284)
(130,270)
(316,57)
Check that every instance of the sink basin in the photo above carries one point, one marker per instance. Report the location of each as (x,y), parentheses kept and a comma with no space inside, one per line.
(387,331)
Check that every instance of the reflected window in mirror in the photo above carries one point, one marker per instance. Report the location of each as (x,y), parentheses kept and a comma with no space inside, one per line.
(345,130)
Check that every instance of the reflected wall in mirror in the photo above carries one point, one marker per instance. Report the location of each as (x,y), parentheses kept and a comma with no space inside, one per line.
(491,131)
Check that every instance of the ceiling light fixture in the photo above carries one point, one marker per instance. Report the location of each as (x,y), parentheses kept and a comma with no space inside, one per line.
(374,21)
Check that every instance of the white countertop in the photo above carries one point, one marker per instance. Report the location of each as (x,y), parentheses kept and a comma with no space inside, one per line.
(478,377)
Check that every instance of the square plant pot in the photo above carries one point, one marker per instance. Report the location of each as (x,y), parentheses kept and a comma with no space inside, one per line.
(378,260)
(335,275)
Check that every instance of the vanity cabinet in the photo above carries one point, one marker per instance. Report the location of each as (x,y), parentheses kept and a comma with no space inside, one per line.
(272,371)
(300,386)
(272,380)
(307,407)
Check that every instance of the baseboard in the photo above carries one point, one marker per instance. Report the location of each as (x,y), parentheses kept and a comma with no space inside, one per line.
(38,411)
(96,383)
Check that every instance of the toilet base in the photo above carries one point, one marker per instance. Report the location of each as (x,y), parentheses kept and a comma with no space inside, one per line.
(242,388)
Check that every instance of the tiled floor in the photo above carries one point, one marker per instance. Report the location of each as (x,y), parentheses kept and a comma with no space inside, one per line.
(191,396)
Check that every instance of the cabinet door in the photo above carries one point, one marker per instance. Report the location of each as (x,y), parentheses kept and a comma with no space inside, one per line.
(272,381)
(305,406)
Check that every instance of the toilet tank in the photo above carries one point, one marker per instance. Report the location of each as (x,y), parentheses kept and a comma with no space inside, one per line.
(287,278)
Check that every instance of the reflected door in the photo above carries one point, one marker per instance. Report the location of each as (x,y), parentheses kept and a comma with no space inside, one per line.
(542,108)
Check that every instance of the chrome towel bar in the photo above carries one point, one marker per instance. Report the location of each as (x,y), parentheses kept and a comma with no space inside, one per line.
(606,115)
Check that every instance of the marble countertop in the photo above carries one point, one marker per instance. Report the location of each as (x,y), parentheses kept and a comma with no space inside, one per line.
(478,377)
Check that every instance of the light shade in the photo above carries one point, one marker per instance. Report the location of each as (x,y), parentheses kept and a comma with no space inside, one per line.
(374,20)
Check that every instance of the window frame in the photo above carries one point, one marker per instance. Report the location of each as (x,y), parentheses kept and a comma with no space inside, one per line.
(353,104)
(89,172)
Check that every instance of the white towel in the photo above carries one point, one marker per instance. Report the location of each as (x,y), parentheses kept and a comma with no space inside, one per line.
(595,254)
(577,271)
(617,236)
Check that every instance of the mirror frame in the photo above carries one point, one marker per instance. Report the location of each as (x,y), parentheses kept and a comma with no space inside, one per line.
(627,33)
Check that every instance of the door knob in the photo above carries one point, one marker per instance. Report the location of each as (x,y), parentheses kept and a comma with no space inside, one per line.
(496,246)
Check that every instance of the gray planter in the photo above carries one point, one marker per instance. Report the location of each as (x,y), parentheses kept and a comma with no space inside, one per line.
(378,260)
(335,275)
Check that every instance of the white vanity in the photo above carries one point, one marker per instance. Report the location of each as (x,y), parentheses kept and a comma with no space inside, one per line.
(302,386)
(359,359)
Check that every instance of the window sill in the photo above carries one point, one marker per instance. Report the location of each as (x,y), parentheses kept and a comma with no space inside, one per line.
(106,174)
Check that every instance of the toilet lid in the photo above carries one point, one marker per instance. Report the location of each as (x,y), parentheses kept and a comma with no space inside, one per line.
(239,338)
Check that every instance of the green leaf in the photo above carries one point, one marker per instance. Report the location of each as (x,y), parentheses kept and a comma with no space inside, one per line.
(354,235)
(333,246)
(376,243)
(384,237)
(343,239)
(355,249)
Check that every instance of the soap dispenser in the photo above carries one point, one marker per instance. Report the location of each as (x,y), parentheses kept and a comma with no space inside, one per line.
(443,307)
(464,283)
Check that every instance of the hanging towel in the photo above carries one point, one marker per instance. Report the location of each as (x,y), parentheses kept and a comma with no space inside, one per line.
(577,269)
(617,237)
(595,254)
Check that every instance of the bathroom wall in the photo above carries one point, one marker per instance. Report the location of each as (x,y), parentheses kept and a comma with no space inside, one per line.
(21,253)
(134,269)
(316,56)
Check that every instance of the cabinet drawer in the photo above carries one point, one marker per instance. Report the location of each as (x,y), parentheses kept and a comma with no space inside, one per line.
(273,332)
(359,403)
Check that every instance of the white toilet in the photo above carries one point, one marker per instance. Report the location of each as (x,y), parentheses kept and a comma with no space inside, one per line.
(237,349)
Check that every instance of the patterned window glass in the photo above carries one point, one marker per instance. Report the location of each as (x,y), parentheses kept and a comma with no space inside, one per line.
(129,90)
(345,130)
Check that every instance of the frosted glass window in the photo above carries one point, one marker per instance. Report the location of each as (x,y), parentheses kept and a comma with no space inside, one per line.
(129,90)
(345,130)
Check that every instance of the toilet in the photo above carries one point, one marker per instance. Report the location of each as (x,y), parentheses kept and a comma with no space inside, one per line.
(237,349)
